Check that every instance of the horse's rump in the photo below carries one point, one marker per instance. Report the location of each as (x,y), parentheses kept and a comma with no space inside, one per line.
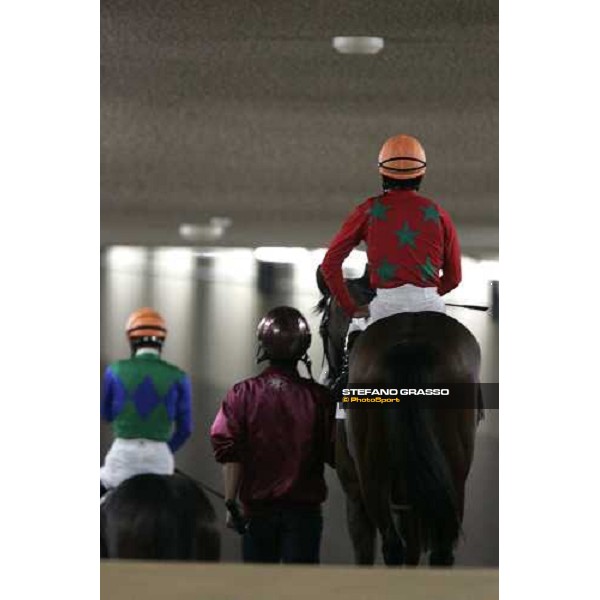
(159,517)
(417,442)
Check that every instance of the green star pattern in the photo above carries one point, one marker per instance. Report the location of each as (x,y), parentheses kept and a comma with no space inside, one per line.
(386,270)
(431,213)
(428,271)
(378,210)
(406,235)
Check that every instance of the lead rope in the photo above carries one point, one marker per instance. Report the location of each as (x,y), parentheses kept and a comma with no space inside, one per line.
(239,522)
(200,484)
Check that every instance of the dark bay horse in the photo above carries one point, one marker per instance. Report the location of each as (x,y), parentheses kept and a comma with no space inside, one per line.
(159,517)
(403,468)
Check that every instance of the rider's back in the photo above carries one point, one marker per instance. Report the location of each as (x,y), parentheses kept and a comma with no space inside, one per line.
(144,391)
(405,239)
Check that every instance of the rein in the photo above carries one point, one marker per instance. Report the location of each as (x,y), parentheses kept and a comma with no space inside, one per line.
(205,487)
(469,306)
(209,489)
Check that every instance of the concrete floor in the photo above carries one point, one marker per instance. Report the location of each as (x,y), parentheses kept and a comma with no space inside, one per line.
(212,318)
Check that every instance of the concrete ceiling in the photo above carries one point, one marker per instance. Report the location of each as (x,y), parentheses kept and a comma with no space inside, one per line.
(244,110)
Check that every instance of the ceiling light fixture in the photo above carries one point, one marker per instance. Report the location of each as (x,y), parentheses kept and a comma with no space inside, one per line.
(358,44)
(214,230)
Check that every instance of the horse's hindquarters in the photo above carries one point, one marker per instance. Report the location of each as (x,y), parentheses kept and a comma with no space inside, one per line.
(153,517)
(416,453)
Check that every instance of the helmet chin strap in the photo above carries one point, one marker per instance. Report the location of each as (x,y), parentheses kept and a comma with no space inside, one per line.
(308,364)
(260,354)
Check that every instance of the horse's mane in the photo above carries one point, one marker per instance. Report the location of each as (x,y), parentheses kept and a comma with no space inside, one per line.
(358,287)
(333,331)
(321,305)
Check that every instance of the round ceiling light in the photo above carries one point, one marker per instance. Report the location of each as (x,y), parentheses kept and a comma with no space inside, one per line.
(213,230)
(358,44)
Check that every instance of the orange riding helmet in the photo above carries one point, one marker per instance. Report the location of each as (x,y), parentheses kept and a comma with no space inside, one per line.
(402,157)
(146,323)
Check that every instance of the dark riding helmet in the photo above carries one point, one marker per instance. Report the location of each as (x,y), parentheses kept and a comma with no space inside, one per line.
(283,334)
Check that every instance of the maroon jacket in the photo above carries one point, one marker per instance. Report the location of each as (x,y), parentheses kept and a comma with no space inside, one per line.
(280,427)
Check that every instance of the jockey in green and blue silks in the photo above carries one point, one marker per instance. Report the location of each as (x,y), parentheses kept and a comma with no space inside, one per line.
(148,402)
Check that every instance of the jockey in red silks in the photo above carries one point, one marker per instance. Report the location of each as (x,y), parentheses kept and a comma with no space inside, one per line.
(412,246)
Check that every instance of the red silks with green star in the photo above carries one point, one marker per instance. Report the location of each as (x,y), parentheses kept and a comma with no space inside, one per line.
(410,240)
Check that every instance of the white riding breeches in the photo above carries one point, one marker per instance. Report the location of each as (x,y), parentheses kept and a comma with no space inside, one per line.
(391,301)
(406,298)
(127,458)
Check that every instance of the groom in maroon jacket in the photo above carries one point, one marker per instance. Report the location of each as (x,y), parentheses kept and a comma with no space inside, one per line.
(273,434)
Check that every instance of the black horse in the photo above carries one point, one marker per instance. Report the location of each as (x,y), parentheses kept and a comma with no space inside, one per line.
(161,517)
(404,468)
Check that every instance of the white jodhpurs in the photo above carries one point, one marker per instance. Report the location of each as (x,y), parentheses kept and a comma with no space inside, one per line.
(127,458)
(406,298)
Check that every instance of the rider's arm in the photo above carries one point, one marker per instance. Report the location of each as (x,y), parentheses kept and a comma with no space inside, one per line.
(183,415)
(452,275)
(353,231)
(106,403)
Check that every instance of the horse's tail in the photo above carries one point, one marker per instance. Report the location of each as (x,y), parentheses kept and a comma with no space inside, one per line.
(421,471)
